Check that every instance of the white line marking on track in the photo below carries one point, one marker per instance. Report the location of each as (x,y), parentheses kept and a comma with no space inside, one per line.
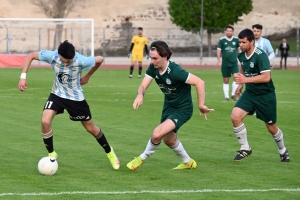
(151,191)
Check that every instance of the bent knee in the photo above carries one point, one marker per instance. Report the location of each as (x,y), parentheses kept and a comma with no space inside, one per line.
(46,122)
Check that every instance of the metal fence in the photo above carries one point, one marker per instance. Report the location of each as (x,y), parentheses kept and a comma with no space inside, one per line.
(115,42)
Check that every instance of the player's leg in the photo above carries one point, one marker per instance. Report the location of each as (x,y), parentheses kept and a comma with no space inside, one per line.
(278,138)
(52,107)
(226,74)
(140,69)
(266,111)
(234,70)
(80,111)
(241,109)
(47,131)
(281,62)
(186,161)
(158,133)
(285,57)
(133,61)
(140,62)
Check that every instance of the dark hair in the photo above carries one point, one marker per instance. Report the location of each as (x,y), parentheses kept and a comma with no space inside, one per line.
(66,50)
(230,27)
(162,48)
(246,33)
(258,26)
(140,28)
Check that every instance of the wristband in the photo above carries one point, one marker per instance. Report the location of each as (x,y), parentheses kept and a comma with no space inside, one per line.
(23,76)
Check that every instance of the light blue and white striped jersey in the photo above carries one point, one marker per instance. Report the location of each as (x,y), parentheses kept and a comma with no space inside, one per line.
(67,78)
(265,45)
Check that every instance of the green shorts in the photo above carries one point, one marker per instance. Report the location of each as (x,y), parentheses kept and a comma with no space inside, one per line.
(228,70)
(178,116)
(263,105)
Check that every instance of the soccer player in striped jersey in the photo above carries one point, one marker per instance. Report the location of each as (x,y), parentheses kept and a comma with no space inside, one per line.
(67,93)
(136,52)
(262,42)
(259,96)
(228,47)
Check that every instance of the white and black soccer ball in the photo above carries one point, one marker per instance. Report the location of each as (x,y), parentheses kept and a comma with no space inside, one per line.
(47,166)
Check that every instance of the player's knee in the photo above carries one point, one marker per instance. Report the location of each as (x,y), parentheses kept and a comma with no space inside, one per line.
(156,136)
(236,119)
(46,122)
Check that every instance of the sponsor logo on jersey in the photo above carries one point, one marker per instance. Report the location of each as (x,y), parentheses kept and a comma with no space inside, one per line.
(229,49)
(168,81)
(64,78)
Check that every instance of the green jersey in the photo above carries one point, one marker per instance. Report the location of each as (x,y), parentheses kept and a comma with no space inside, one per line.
(172,83)
(228,49)
(256,64)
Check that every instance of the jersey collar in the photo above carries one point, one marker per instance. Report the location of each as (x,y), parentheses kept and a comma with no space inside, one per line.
(251,53)
(162,73)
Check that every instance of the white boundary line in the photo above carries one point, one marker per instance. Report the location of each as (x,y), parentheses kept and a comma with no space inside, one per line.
(151,192)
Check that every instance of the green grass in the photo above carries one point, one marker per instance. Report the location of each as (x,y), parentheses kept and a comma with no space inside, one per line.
(83,166)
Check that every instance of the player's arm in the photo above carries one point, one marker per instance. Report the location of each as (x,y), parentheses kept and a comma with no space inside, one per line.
(264,77)
(87,76)
(200,88)
(130,49)
(141,91)
(147,51)
(270,50)
(98,62)
(30,57)
(219,55)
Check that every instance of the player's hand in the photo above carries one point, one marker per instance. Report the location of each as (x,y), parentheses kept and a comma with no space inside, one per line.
(138,101)
(22,85)
(204,109)
(239,78)
(239,91)
(218,62)
(129,55)
(84,80)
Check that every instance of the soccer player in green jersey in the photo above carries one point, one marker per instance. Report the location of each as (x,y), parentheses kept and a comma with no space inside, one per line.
(228,47)
(259,95)
(175,83)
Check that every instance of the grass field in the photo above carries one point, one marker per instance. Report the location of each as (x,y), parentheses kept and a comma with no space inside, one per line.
(85,172)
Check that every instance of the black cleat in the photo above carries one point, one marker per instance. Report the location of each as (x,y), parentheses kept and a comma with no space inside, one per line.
(285,156)
(242,154)
(226,99)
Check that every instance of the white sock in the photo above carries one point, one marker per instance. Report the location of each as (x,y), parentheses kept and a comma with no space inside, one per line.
(150,149)
(180,152)
(226,90)
(279,141)
(234,86)
(241,134)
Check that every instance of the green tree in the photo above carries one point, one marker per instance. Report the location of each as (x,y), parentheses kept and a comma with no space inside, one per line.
(217,14)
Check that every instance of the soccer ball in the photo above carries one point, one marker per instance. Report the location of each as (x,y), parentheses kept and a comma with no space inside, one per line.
(47,166)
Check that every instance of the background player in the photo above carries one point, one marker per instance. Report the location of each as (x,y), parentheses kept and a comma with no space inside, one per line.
(136,52)
(175,83)
(262,42)
(228,46)
(67,93)
(259,96)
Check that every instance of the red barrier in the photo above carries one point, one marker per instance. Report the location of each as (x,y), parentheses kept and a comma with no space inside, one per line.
(12,60)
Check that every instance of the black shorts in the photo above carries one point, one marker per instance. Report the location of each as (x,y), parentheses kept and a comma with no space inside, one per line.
(78,110)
